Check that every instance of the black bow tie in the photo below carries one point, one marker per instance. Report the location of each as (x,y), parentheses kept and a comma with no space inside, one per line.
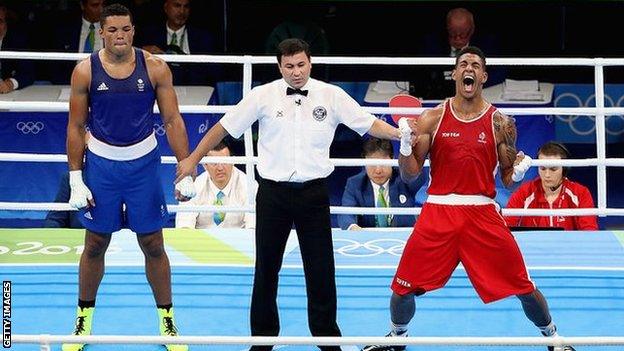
(291,91)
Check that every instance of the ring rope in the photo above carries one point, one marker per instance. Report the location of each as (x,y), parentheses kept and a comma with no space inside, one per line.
(305,340)
(58,206)
(338,162)
(44,106)
(339,60)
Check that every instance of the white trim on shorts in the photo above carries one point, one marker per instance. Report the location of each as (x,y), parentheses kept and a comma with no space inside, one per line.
(457,199)
(123,153)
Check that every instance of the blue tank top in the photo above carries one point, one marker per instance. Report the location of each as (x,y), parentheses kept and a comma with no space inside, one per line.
(121,110)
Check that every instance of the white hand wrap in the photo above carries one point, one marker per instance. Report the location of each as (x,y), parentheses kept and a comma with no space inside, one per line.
(406,137)
(186,187)
(520,169)
(79,193)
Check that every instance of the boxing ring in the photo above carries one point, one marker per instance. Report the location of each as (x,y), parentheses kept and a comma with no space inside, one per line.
(581,273)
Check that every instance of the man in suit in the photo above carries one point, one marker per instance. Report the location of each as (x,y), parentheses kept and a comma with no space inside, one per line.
(77,36)
(378,186)
(435,82)
(176,36)
(63,219)
(15,74)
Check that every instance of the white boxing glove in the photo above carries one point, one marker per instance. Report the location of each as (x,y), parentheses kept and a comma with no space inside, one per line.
(186,187)
(521,168)
(406,137)
(80,195)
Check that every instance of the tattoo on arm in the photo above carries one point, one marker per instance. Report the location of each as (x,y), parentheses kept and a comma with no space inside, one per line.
(505,129)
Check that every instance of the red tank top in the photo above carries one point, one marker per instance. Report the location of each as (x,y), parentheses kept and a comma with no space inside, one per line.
(463,155)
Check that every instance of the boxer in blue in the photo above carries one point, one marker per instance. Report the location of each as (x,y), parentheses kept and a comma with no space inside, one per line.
(113,93)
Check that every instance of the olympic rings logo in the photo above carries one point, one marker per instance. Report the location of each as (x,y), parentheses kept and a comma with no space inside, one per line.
(586,125)
(159,129)
(30,127)
(352,248)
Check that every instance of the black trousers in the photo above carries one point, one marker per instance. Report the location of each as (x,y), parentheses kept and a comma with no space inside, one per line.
(278,206)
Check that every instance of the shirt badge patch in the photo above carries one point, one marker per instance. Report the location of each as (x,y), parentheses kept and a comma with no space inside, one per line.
(319,113)
(140,84)
(482,138)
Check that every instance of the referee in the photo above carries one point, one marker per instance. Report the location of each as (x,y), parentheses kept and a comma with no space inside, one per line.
(297,118)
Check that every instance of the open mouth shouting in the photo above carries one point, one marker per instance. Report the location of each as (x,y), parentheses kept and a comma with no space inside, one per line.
(468,83)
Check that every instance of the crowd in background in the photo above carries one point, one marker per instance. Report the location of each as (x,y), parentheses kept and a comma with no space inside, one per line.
(544,29)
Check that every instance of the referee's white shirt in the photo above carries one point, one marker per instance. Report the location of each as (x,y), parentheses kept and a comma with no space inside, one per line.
(295,131)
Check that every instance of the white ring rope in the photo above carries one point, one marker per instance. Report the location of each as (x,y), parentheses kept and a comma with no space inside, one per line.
(336,60)
(599,112)
(44,106)
(338,162)
(305,340)
(58,206)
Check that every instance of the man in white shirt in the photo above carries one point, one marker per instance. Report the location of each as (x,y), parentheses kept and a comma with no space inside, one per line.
(90,41)
(221,184)
(297,118)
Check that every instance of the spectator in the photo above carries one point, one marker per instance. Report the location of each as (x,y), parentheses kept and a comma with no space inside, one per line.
(378,186)
(77,36)
(62,219)
(177,36)
(15,74)
(221,184)
(435,82)
(300,28)
(553,190)
(309,31)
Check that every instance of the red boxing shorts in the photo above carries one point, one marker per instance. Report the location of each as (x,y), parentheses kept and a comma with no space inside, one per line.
(476,236)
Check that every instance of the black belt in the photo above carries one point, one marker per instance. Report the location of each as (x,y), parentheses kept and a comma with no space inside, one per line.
(293,185)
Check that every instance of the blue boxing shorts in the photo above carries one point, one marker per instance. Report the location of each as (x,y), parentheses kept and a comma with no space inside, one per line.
(135,183)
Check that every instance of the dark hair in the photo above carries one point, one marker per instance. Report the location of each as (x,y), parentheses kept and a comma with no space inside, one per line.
(471,50)
(373,145)
(220,146)
(292,46)
(115,10)
(553,148)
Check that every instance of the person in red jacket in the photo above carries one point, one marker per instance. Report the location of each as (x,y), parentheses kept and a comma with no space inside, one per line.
(553,190)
